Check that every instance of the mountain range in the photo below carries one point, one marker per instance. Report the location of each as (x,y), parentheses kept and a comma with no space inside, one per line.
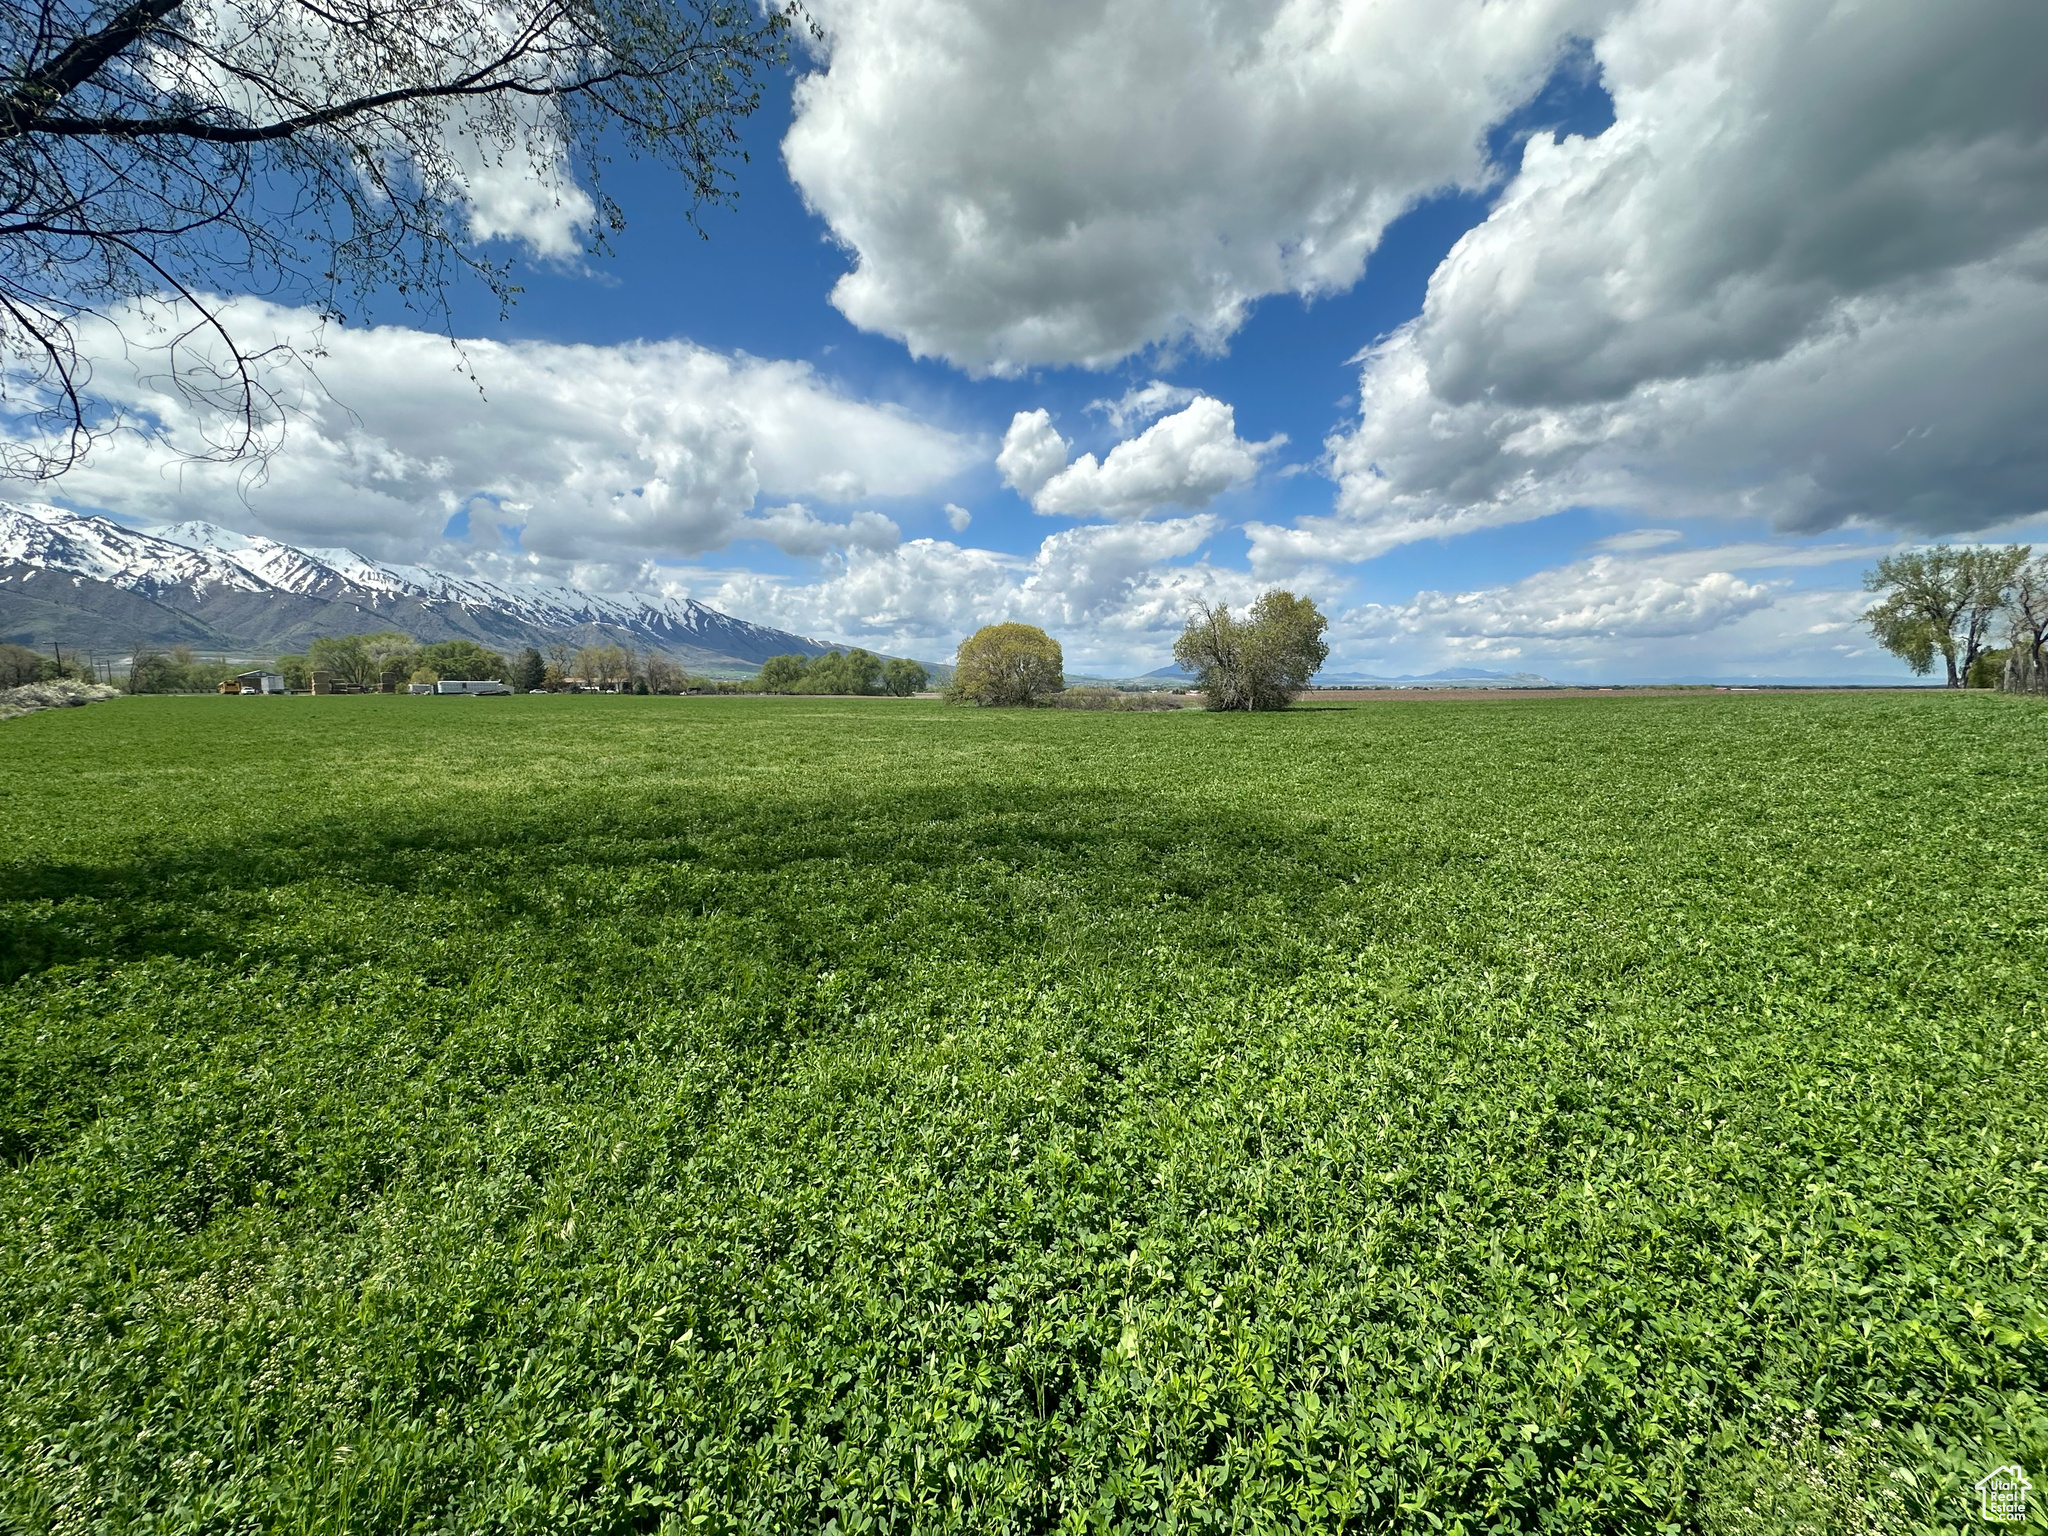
(88,583)
(1474,677)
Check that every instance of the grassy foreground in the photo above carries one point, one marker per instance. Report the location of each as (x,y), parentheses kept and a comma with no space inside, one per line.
(612,1114)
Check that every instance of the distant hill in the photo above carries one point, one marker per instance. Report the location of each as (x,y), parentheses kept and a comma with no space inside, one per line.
(1473,675)
(89,583)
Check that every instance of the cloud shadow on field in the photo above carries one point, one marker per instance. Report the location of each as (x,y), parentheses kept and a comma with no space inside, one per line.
(988,864)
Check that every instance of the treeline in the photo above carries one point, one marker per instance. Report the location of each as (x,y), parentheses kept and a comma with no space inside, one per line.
(1955,603)
(177,670)
(357,660)
(367,661)
(854,671)
(20,666)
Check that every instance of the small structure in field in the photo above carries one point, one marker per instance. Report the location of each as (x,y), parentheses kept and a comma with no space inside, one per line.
(260,681)
(475,687)
(323,682)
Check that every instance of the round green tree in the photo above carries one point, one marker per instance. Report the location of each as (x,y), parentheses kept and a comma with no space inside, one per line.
(904,677)
(1015,664)
(782,674)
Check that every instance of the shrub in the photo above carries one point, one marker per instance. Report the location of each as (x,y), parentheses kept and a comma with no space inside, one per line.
(19,664)
(1111,698)
(1986,670)
(1007,664)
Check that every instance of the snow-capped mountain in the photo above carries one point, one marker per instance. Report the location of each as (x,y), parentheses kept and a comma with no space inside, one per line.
(100,550)
(87,581)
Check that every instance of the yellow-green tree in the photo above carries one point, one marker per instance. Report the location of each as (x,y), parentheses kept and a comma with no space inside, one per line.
(1014,664)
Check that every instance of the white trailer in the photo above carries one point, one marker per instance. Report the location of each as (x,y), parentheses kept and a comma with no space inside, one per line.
(486,685)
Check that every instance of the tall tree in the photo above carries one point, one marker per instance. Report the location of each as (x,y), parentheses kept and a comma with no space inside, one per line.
(664,676)
(783,674)
(463,660)
(392,652)
(156,153)
(1941,601)
(529,671)
(2027,613)
(605,665)
(1259,662)
(344,657)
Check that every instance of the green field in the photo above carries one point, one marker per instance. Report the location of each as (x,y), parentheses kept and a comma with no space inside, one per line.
(614,1114)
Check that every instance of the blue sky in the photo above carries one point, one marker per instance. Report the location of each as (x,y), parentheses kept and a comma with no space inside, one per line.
(1607,339)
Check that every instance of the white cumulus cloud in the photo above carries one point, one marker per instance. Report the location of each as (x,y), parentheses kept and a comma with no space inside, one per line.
(797,530)
(1604,598)
(1111,593)
(1073,181)
(1032,453)
(1803,276)
(526,191)
(1614,616)
(1144,403)
(617,453)
(1187,460)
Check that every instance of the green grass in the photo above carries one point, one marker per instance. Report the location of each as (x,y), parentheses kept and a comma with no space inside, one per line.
(607,1114)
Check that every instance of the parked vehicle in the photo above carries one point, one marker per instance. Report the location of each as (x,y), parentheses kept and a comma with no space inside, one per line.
(484,686)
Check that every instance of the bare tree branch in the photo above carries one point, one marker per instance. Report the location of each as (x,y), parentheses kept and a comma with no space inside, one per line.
(322,152)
